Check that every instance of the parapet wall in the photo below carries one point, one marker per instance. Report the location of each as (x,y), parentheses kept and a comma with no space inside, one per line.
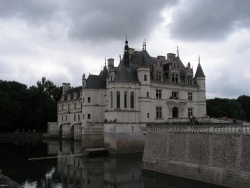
(212,153)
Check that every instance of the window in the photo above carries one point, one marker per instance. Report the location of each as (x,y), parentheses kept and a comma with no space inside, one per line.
(147,94)
(111,78)
(65,117)
(145,78)
(189,80)
(88,99)
(158,112)
(158,94)
(158,76)
(118,99)
(111,98)
(190,96)
(74,117)
(132,100)
(62,117)
(78,117)
(174,78)
(125,99)
(174,95)
(81,105)
(190,112)
(147,115)
(74,105)
(68,106)
(88,116)
(82,116)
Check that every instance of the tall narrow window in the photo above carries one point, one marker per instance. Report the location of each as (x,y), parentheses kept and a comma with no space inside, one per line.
(78,117)
(132,100)
(125,99)
(190,112)
(145,77)
(74,117)
(158,94)
(118,99)
(88,99)
(111,98)
(158,112)
(190,96)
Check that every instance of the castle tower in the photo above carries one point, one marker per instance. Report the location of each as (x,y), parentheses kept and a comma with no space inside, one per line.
(201,82)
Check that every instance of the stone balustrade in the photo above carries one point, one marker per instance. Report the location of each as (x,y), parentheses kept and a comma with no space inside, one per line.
(205,129)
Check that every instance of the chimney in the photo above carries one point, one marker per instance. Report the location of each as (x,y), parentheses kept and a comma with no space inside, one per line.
(66,87)
(110,64)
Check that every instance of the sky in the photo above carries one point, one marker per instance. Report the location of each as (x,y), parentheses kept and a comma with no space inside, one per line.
(62,39)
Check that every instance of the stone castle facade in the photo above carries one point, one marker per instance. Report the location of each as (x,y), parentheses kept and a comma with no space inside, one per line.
(122,100)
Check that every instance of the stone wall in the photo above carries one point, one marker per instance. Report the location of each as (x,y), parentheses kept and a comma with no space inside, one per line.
(124,137)
(212,153)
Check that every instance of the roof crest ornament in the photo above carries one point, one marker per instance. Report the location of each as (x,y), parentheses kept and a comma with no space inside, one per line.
(177,51)
(199,59)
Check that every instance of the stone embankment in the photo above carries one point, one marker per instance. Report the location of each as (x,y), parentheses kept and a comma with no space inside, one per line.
(6,182)
(212,153)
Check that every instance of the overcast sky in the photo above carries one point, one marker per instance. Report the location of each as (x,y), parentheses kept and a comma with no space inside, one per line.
(62,39)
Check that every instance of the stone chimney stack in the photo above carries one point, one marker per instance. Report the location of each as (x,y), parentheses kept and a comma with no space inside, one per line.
(66,87)
(110,64)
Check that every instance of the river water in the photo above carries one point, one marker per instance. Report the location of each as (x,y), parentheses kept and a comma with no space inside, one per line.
(78,172)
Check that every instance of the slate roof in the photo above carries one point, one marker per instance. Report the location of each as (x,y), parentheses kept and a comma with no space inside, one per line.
(71,92)
(97,81)
(199,72)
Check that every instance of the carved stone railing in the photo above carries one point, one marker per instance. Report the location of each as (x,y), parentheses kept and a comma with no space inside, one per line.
(204,129)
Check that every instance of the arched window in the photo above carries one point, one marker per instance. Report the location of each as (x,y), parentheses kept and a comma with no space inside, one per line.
(125,99)
(111,98)
(118,99)
(132,100)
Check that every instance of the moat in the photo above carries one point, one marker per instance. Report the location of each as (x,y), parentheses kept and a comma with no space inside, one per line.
(77,171)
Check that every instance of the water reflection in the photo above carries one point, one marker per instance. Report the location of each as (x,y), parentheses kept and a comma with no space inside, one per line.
(71,171)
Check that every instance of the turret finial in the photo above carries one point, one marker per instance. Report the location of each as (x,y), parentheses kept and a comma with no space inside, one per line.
(144,45)
(199,59)
(177,51)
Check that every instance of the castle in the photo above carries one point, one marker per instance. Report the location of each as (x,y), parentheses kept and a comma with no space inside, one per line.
(114,107)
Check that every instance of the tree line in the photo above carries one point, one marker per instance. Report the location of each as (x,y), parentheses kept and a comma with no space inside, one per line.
(30,108)
(232,108)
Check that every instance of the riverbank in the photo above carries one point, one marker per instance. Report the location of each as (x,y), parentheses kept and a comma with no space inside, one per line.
(7,182)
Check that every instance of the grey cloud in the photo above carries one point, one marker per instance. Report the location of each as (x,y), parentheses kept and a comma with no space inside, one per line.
(33,11)
(209,20)
(111,19)
(91,20)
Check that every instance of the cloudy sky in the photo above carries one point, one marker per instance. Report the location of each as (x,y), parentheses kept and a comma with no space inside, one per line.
(62,39)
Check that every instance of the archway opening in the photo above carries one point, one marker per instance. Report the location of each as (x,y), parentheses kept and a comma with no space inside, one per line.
(175,112)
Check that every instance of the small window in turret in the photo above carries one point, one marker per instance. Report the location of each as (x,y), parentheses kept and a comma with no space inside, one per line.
(88,99)
(145,77)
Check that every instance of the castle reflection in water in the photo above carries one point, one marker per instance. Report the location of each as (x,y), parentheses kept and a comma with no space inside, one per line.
(109,171)
(112,171)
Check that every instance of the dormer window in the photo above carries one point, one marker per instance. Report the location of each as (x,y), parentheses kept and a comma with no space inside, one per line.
(75,95)
(189,80)
(175,78)
(158,76)
(68,98)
